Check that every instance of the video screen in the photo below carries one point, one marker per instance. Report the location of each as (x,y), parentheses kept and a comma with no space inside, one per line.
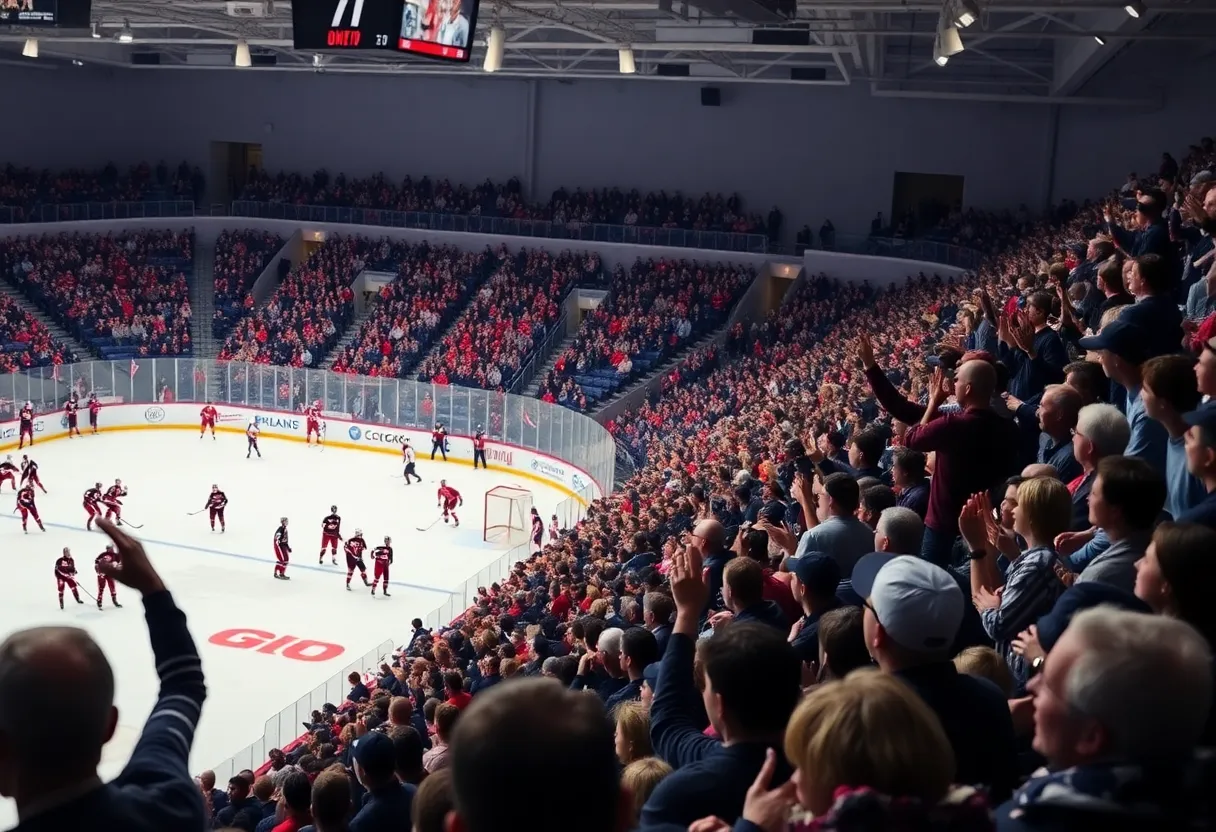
(28,11)
(439,28)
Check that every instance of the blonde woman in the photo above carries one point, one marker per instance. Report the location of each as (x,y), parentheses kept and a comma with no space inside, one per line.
(632,732)
(641,777)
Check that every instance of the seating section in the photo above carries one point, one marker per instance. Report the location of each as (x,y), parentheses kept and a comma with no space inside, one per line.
(311,307)
(653,311)
(433,283)
(508,318)
(240,257)
(25,342)
(26,190)
(123,295)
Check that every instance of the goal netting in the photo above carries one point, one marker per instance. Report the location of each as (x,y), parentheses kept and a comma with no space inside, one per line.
(508,513)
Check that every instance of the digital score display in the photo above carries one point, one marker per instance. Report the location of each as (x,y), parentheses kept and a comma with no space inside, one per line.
(440,29)
(70,14)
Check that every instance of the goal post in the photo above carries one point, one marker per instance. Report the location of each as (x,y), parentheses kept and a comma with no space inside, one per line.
(508,511)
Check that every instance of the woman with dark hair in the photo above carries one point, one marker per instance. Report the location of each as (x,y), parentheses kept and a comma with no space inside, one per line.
(1177,572)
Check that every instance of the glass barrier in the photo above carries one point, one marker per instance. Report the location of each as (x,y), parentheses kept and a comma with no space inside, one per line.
(81,211)
(527,422)
(900,248)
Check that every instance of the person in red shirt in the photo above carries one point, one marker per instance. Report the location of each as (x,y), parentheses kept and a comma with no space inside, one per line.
(296,791)
(562,603)
(453,686)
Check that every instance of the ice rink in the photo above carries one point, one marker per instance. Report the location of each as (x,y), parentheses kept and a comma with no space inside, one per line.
(223,581)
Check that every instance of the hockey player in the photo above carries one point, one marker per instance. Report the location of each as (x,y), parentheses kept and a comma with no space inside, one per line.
(383,557)
(27,424)
(65,575)
(251,434)
(407,456)
(312,415)
(439,441)
(538,530)
(207,415)
(216,502)
(331,533)
(449,498)
(113,501)
(107,558)
(92,505)
(25,504)
(8,472)
(29,472)
(282,551)
(479,448)
(94,409)
(355,547)
(554,532)
(69,413)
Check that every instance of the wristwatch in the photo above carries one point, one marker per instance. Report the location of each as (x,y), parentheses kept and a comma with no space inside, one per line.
(1037,664)
(977,554)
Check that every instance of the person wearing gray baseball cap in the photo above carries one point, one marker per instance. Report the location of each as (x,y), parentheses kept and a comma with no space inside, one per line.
(913,610)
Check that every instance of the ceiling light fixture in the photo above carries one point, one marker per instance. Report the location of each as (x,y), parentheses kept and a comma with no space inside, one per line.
(495,45)
(949,40)
(126,35)
(939,57)
(77,62)
(316,60)
(1135,9)
(243,59)
(1099,40)
(94,31)
(626,63)
(966,13)
(30,50)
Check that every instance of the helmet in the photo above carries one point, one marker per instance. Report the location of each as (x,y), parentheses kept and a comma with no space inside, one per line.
(387,540)
(317,403)
(98,485)
(333,508)
(358,532)
(443,482)
(215,487)
(479,426)
(29,403)
(117,481)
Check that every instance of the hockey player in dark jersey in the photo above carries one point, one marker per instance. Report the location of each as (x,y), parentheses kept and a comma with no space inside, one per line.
(331,534)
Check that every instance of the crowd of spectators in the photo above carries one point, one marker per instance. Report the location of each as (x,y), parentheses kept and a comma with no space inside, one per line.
(432,283)
(508,318)
(124,294)
(653,310)
(25,342)
(240,257)
(710,212)
(25,190)
(310,308)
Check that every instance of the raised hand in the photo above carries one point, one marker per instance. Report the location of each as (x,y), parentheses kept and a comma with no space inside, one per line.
(134,569)
(769,808)
(865,351)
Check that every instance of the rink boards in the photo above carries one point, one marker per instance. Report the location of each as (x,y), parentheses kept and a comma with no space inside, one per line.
(342,433)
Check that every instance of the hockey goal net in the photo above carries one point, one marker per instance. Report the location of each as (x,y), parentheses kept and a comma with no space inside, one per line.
(508,515)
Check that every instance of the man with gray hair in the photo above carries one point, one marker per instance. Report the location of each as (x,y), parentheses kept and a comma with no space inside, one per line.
(1119,707)
(899,531)
(49,766)
(1102,431)
(600,670)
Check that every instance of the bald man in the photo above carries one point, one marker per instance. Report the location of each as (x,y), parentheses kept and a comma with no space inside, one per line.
(709,538)
(49,766)
(976,450)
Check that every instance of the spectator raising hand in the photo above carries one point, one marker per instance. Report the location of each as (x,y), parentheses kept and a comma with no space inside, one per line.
(688,587)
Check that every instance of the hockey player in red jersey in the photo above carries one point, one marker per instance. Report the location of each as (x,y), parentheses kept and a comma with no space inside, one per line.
(8,472)
(538,530)
(25,504)
(449,498)
(217,501)
(65,576)
(355,547)
(69,414)
(208,416)
(383,557)
(92,505)
(479,448)
(113,501)
(554,532)
(331,534)
(94,409)
(107,558)
(312,415)
(27,425)
(29,472)
(282,551)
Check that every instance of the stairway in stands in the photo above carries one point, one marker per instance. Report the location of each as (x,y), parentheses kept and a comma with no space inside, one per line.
(656,370)
(348,337)
(543,370)
(83,353)
(202,302)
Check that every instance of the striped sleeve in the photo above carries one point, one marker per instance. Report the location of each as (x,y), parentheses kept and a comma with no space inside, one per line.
(1029,592)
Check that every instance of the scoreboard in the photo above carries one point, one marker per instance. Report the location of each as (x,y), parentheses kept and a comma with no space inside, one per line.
(441,29)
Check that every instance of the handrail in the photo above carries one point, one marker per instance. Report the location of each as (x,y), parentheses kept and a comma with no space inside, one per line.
(84,211)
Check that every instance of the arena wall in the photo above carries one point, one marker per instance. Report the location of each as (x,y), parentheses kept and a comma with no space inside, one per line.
(341,433)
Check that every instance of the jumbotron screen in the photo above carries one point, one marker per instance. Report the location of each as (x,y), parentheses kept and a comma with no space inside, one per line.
(441,29)
(72,14)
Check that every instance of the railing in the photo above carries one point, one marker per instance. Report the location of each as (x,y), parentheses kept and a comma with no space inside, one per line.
(285,726)
(81,211)
(507,226)
(527,422)
(528,371)
(906,249)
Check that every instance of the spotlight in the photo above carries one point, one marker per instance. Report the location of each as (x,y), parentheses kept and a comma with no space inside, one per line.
(316,60)
(243,58)
(31,48)
(949,41)
(1135,8)
(966,13)
(94,31)
(494,49)
(77,62)
(126,35)
(1099,41)
(627,64)
(939,57)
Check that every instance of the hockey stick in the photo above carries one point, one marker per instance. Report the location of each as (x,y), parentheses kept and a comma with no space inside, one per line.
(79,585)
(433,522)
(125,522)
(200,511)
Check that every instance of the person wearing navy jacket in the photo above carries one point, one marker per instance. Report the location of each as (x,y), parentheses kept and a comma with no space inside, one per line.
(52,776)
(1031,350)
(1150,279)
(752,684)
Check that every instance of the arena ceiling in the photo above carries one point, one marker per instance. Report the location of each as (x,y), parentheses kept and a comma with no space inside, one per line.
(1014,50)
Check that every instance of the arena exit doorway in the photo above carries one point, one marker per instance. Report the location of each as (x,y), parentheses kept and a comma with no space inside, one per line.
(231,163)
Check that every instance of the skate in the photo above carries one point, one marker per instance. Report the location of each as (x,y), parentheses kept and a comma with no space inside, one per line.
(98,603)
(348,588)
(373,590)
(334,560)
(386,595)
(117,605)
(78,601)
(286,578)
(456,524)
(60,603)
(42,527)
(277,576)
(365,583)
(321,560)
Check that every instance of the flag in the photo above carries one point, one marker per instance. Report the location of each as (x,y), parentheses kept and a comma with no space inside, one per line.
(528,419)
(134,368)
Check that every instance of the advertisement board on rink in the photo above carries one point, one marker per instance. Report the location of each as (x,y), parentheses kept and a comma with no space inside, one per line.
(339,433)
